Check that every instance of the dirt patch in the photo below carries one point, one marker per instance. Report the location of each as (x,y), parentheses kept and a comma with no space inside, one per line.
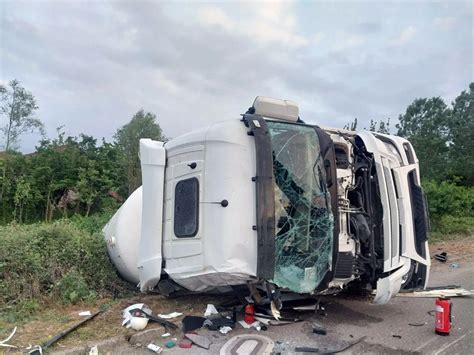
(50,322)
(457,249)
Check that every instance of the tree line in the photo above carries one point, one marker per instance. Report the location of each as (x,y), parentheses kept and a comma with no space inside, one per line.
(78,175)
(442,135)
(65,175)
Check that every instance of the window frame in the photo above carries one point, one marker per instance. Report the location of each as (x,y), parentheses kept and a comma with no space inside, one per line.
(196,214)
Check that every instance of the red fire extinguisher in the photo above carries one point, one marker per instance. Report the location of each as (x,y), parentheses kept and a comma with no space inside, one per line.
(249,316)
(444,309)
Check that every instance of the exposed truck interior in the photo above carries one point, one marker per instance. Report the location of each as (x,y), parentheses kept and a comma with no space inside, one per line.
(277,205)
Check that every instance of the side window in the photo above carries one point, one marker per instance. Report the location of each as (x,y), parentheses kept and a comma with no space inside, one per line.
(186,208)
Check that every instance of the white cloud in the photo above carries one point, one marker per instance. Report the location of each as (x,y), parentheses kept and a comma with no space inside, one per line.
(317,38)
(404,37)
(268,23)
(444,23)
(345,40)
(215,16)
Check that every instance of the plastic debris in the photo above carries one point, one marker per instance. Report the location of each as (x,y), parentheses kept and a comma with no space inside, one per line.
(140,313)
(218,321)
(454,266)
(4,341)
(248,326)
(211,309)
(448,292)
(154,348)
(126,312)
(137,323)
(85,313)
(443,257)
(191,323)
(185,344)
(165,335)
(225,329)
(200,340)
(170,315)
(94,350)
(170,344)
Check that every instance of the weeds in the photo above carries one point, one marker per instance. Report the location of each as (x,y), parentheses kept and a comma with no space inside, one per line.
(55,262)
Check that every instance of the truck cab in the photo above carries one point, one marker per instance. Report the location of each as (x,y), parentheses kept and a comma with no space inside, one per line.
(274,203)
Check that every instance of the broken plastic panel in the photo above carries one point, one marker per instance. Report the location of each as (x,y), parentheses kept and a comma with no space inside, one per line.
(303,217)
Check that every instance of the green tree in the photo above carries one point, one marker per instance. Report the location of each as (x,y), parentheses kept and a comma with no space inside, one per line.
(22,194)
(18,106)
(142,125)
(461,136)
(352,126)
(380,126)
(89,184)
(424,124)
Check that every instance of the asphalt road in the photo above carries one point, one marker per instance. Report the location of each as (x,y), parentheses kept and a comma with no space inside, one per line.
(350,318)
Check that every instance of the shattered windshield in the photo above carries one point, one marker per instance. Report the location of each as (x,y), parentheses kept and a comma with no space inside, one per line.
(303,218)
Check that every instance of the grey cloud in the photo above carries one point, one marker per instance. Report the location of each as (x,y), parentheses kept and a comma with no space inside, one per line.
(92,66)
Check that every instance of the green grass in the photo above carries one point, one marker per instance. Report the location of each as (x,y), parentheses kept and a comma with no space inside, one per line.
(55,263)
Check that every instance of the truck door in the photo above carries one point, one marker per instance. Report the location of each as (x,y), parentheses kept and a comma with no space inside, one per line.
(183,229)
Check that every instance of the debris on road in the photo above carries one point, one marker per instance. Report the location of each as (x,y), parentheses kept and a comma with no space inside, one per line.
(185,344)
(245,325)
(217,321)
(224,330)
(200,340)
(345,346)
(191,323)
(443,257)
(170,315)
(319,328)
(435,293)
(94,350)
(138,314)
(126,312)
(39,349)
(396,336)
(210,310)
(170,344)
(454,266)
(155,348)
(417,324)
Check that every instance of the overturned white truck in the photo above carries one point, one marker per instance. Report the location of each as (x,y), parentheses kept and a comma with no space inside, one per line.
(276,204)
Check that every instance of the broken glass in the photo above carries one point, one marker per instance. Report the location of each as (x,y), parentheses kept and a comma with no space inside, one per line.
(303,217)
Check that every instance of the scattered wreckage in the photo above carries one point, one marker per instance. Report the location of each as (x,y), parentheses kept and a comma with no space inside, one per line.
(276,205)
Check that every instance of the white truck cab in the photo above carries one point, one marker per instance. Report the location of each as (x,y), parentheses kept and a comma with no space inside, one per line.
(273,203)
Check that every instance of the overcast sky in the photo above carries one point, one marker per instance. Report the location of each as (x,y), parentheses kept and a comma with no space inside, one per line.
(92,65)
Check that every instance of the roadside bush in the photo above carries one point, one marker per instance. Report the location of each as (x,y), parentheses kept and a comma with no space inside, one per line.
(53,262)
(451,208)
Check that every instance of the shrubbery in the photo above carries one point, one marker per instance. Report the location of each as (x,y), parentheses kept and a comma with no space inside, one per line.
(451,208)
(56,261)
